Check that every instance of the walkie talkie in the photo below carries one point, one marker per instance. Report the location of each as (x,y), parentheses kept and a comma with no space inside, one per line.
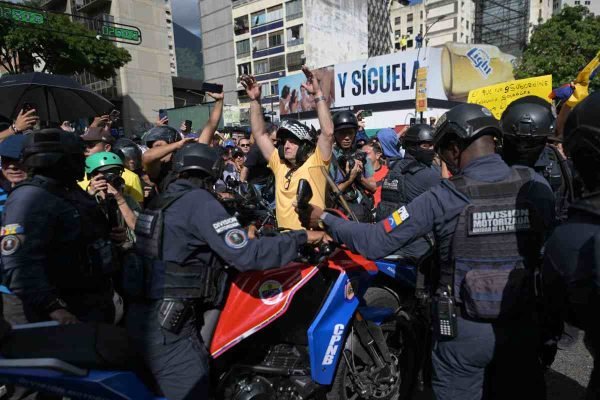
(444,316)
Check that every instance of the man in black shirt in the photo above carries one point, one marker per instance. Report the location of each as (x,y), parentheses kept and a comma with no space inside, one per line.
(256,170)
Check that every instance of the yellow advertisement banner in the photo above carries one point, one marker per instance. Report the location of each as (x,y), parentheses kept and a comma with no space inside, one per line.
(497,97)
(421,89)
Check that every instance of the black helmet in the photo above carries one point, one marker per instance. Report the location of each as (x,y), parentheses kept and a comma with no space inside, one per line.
(166,133)
(196,157)
(344,119)
(418,133)
(582,139)
(128,150)
(55,149)
(528,116)
(307,137)
(465,122)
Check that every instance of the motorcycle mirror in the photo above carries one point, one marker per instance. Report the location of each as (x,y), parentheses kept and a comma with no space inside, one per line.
(304,194)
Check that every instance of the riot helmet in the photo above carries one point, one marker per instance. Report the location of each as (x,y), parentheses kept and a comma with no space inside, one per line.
(302,134)
(344,119)
(129,152)
(165,133)
(463,125)
(582,140)
(54,153)
(526,124)
(197,157)
(418,142)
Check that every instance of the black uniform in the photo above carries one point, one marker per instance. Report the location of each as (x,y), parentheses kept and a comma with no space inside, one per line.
(199,239)
(56,250)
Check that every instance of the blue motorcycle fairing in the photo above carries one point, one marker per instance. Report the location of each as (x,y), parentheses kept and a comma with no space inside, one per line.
(404,273)
(97,385)
(377,315)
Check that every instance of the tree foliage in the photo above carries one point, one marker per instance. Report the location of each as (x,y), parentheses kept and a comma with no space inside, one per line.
(562,46)
(59,46)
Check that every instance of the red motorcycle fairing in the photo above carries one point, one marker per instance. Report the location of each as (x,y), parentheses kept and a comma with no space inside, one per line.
(257,298)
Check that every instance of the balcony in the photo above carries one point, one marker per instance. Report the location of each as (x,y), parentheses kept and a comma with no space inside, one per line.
(296,15)
(270,75)
(295,42)
(268,52)
(269,26)
(243,54)
(89,6)
(52,4)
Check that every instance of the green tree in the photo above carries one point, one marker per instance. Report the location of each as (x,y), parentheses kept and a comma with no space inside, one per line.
(59,46)
(562,46)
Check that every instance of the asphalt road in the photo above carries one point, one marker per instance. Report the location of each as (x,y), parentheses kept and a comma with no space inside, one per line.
(568,377)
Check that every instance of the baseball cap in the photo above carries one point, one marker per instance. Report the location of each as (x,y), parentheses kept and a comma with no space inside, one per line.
(11,146)
(97,134)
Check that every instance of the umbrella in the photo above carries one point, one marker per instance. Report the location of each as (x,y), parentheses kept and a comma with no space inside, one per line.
(56,98)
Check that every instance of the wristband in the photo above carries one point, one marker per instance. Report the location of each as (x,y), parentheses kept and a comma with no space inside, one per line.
(318,99)
(14,128)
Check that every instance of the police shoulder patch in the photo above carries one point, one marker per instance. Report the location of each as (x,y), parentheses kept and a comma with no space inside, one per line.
(236,238)
(12,229)
(9,245)
(397,218)
(225,225)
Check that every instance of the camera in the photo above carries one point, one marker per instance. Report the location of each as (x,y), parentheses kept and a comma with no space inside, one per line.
(348,161)
(115,180)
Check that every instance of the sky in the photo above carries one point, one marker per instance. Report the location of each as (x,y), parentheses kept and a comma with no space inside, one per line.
(187,14)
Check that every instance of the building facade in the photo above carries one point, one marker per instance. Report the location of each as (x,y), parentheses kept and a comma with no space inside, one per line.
(380,28)
(274,38)
(143,85)
(439,21)
(592,5)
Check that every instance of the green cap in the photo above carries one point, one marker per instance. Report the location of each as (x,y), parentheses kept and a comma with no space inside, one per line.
(101,160)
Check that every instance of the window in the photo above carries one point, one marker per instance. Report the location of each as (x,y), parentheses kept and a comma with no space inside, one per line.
(467,24)
(409,18)
(277,63)
(294,61)
(409,30)
(397,34)
(265,88)
(397,45)
(241,25)
(467,40)
(276,39)
(293,9)
(259,18)
(577,2)
(275,13)
(274,88)
(587,2)
(261,67)
(244,69)
(397,20)
(242,48)
(540,14)
(259,43)
(421,14)
(295,35)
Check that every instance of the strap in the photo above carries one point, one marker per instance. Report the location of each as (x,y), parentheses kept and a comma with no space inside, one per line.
(483,190)
(163,201)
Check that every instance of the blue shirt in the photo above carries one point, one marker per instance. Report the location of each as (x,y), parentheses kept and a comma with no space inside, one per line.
(435,210)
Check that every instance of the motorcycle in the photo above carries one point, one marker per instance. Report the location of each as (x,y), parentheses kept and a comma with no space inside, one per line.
(307,330)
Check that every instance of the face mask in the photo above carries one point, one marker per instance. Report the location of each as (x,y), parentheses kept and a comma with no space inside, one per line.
(522,151)
(424,156)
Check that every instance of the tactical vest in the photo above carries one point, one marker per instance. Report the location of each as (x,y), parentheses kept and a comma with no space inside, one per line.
(560,179)
(495,248)
(192,280)
(93,251)
(393,188)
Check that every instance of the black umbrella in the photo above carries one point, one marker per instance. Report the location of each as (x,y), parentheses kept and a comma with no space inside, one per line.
(56,98)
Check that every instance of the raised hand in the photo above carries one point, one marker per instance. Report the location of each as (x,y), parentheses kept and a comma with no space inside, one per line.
(311,85)
(253,89)
(216,96)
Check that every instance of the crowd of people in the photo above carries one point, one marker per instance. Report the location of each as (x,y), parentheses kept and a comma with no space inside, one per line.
(141,233)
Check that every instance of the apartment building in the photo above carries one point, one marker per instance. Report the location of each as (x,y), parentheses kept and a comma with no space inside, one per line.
(592,5)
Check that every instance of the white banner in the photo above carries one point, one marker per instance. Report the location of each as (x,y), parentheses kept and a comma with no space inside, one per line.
(387,78)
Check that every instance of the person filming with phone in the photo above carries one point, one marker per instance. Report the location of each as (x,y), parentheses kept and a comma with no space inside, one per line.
(26,120)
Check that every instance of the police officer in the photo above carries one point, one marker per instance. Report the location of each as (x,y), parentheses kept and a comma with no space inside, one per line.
(56,244)
(488,223)
(527,123)
(408,177)
(571,273)
(191,239)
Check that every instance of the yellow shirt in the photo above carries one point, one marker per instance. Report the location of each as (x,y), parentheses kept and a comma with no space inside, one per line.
(286,186)
(133,185)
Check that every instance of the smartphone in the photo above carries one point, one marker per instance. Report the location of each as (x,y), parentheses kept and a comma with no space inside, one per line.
(162,114)
(28,107)
(212,87)
(366,113)
(188,124)
(114,115)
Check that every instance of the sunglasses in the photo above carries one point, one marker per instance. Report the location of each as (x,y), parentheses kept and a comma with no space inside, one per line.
(244,145)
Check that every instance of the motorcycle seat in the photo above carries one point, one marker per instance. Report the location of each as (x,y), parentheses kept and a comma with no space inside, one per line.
(85,345)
